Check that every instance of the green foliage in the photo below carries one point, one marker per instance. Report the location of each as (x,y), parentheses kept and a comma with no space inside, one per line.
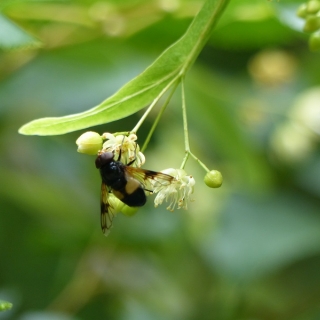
(142,90)
(247,250)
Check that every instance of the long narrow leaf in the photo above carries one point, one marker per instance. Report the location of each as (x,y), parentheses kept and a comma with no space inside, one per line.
(143,89)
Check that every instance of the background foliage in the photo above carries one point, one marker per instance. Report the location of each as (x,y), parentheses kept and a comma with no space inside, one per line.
(249,250)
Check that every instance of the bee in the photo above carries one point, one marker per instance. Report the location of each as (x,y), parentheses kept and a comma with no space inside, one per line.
(128,184)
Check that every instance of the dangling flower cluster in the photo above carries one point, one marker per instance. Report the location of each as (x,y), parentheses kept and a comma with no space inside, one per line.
(130,150)
(174,187)
(178,192)
(92,143)
(310,11)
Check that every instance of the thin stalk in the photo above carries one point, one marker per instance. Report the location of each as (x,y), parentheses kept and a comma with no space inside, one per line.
(186,132)
(154,102)
(185,126)
(163,108)
(185,159)
(184,117)
(200,162)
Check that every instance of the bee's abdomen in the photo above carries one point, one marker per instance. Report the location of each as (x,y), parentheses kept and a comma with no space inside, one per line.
(135,199)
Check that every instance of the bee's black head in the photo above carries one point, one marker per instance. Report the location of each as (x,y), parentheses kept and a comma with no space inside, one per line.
(104,159)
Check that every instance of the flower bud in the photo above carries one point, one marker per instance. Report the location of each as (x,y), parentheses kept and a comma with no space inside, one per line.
(312,23)
(89,143)
(129,211)
(313,6)
(213,179)
(302,11)
(314,41)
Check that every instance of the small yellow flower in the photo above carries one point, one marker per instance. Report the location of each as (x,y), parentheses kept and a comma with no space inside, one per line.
(130,150)
(178,192)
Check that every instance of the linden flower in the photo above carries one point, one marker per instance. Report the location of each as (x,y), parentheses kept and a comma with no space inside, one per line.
(130,150)
(178,192)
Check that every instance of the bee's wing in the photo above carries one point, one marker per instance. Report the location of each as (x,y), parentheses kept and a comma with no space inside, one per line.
(150,180)
(107,210)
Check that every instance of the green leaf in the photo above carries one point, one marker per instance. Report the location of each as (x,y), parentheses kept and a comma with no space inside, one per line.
(146,87)
(4,305)
(13,37)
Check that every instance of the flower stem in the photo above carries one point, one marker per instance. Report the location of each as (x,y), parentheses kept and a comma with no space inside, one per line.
(163,108)
(184,117)
(186,132)
(200,162)
(173,82)
(185,126)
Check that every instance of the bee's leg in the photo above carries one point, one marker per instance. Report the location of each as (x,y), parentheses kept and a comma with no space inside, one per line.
(135,153)
(121,149)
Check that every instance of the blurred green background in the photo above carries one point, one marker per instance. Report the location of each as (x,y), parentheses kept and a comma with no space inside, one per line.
(249,250)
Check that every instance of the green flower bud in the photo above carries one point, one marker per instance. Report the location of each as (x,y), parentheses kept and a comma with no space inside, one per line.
(313,6)
(213,179)
(314,41)
(129,211)
(302,11)
(89,143)
(4,305)
(312,23)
